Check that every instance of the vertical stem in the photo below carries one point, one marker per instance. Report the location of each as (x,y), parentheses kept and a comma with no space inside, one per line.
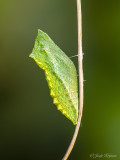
(80,68)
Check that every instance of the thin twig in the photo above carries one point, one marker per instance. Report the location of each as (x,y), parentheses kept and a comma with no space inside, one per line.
(80,68)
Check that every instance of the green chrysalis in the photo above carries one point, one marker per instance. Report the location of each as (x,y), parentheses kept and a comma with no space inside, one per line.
(60,74)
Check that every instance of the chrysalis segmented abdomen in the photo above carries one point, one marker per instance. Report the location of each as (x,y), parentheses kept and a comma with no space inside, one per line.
(63,98)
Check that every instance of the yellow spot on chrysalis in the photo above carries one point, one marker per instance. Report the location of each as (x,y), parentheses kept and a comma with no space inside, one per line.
(59,107)
(47,72)
(55,101)
(48,78)
(52,93)
(39,62)
(64,112)
(50,84)
(44,68)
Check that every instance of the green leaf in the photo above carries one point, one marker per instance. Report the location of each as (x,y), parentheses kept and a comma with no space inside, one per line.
(60,74)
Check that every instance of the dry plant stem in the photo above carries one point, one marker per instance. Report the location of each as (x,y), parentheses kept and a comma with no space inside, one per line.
(80,58)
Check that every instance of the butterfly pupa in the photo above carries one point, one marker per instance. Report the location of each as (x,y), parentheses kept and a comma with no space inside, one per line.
(60,74)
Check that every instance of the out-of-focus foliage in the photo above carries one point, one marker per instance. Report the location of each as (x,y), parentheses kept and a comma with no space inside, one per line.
(30,126)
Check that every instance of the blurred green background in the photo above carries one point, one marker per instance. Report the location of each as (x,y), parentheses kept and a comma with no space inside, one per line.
(30,125)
